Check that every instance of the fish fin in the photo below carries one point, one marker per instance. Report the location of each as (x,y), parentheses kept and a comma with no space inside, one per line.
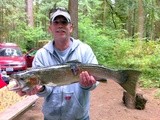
(103,80)
(74,68)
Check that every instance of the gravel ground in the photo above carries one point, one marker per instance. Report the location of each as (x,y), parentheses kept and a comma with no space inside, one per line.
(106,104)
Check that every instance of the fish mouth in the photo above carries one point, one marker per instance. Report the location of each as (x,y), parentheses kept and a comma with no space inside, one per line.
(13,85)
(25,83)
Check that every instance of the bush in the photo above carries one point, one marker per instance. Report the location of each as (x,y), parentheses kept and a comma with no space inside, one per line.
(119,53)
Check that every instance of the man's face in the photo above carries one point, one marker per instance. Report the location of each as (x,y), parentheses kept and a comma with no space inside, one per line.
(60,28)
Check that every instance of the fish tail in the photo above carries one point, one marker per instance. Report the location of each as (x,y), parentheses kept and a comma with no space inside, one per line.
(131,78)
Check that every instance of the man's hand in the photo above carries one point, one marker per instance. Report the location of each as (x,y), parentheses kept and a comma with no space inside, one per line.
(35,90)
(86,80)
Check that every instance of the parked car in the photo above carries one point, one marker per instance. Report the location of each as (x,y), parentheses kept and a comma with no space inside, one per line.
(5,77)
(29,56)
(11,58)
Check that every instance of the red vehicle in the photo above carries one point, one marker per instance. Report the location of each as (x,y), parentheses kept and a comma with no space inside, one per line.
(2,83)
(30,56)
(11,58)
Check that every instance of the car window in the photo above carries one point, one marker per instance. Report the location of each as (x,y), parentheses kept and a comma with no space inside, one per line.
(10,52)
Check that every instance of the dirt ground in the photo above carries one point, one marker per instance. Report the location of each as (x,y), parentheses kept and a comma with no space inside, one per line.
(106,104)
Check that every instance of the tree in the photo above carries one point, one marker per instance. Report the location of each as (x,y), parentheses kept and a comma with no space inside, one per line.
(140,19)
(73,9)
(157,22)
(29,11)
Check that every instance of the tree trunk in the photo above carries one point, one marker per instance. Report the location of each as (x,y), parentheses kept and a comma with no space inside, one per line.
(104,13)
(134,102)
(129,23)
(140,19)
(157,23)
(128,100)
(29,11)
(73,9)
(1,23)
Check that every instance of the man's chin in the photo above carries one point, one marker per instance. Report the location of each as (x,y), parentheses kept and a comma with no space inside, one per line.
(62,37)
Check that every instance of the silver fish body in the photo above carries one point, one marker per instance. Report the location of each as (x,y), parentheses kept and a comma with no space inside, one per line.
(69,73)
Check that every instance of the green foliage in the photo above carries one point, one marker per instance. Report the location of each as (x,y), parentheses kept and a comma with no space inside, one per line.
(117,52)
(30,36)
(97,23)
(102,41)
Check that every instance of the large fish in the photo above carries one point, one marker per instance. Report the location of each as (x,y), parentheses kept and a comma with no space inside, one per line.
(69,73)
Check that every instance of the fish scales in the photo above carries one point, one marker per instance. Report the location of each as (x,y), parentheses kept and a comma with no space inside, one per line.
(69,73)
(63,75)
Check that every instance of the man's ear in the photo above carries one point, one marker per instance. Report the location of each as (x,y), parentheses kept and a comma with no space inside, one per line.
(71,28)
(49,29)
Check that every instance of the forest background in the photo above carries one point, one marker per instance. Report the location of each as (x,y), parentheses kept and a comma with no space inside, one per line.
(124,34)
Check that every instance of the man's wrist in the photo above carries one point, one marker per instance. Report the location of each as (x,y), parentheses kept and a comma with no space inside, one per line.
(85,87)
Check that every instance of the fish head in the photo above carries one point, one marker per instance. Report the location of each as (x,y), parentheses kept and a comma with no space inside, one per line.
(23,81)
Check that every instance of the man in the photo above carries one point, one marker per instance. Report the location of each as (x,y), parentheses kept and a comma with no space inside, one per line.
(68,102)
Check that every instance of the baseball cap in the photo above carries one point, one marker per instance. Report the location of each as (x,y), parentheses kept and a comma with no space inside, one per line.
(60,12)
